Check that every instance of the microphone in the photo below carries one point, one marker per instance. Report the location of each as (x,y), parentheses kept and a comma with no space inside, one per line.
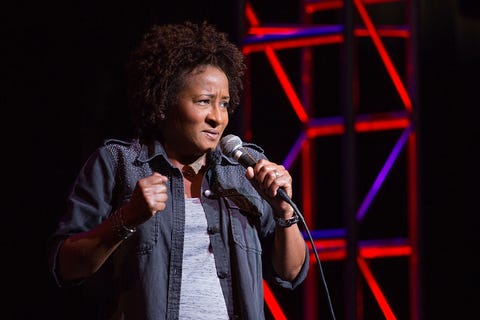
(232,146)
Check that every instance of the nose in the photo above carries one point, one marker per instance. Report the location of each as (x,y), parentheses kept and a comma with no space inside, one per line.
(217,115)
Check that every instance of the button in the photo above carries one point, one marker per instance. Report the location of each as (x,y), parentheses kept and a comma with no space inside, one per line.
(207,193)
(222,274)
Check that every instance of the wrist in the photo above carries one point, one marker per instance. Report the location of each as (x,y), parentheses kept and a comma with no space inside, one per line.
(285,223)
(119,227)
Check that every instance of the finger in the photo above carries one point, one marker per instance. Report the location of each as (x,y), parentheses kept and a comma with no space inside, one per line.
(157,178)
(264,171)
(267,177)
(159,202)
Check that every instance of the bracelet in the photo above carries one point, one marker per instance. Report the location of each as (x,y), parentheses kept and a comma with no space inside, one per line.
(123,232)
(285,223)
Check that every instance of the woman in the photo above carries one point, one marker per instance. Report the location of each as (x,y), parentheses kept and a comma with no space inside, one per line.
(165,226)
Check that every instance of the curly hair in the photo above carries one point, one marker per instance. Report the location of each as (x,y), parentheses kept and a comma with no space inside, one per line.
(157,68)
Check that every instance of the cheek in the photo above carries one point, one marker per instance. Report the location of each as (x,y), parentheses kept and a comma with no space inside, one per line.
(190,119)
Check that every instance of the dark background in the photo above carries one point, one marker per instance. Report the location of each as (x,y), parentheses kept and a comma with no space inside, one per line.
(62,95)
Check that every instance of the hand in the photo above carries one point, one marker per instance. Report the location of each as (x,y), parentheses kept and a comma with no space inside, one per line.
(148,197)
(268,177)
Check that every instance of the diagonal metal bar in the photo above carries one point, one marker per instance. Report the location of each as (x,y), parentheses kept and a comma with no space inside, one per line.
(286,85)
(367,201)
(272,303)
(397,81)
(376,290)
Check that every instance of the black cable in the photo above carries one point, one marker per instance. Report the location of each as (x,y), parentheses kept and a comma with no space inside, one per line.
(320,268)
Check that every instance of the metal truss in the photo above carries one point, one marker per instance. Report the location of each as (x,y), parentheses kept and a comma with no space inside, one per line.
(346,240)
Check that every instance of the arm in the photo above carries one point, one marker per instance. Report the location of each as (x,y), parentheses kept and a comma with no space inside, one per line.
(82,254)
(288,253)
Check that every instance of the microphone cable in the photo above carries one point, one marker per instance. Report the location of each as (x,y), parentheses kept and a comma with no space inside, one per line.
(320,268)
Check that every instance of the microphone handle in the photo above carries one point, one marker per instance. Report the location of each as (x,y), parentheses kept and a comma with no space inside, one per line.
(246,160)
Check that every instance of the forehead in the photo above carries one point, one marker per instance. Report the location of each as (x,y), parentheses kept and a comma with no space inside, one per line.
(205,75)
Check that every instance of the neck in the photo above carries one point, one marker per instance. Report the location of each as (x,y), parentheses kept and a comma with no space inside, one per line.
(188,166)
(197,165)
(192,177)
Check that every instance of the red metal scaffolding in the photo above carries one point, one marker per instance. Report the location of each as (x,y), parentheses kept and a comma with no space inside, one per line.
(378,132)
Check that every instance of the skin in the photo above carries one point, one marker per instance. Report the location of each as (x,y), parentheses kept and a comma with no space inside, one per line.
(196,125)
(191,129)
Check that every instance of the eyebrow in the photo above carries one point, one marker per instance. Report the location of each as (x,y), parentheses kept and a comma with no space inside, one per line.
(213,95)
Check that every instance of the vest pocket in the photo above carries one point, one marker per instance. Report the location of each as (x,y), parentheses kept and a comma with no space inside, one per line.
(243,224)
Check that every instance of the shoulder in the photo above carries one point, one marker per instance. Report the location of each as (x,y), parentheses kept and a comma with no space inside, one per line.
(225,159)
(115,153)
(121,148)
(255,150)
(120,144)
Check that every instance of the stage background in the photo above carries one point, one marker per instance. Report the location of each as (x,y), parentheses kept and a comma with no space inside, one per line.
(62,83)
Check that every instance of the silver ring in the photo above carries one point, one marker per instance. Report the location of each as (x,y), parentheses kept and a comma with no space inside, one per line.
(276,174)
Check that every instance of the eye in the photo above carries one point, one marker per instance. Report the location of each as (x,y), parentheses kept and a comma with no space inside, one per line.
(225,104)
(204,101)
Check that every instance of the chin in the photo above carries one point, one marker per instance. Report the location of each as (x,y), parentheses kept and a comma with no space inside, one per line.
(205,148)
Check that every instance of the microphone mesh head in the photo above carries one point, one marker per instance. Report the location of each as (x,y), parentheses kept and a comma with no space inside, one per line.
(229,144)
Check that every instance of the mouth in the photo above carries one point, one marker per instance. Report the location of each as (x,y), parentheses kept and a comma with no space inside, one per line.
(212,135)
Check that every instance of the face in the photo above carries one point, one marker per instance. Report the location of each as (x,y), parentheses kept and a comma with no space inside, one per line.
(196,124)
